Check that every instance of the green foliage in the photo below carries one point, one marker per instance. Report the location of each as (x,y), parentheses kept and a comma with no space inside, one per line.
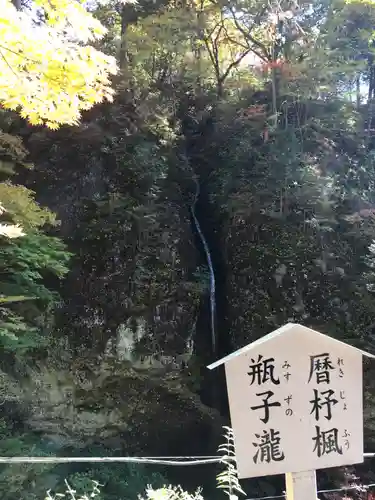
(288,204)
(228,479)
(27,263)
(117,481)
(369,274)
(170,493)
(73,495)
(162,493)
(112,487)
(18,477)
(21,207)
(114,480)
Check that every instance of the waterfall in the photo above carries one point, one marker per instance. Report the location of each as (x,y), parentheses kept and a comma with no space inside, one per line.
(210,267)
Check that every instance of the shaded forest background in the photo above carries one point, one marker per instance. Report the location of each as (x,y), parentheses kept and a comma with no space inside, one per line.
(227,190)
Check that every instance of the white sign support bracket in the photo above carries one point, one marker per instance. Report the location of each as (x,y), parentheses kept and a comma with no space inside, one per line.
(301,485)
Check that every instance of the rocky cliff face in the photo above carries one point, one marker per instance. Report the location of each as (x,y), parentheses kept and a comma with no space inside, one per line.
(134,330)
(127,407)
(126,348)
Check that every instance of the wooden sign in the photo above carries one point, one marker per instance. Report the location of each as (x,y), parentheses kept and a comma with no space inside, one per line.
(295,399)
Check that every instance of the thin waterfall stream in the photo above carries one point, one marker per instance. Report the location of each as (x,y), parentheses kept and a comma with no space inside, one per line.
(210,268)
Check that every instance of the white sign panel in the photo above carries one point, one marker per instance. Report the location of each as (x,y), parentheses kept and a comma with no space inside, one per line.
(296,404)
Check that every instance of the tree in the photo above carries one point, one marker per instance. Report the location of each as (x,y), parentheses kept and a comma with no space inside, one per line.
(48,70)
(26,304)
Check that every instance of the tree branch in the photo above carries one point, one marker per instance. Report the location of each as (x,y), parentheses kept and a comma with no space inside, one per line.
(247,34)
(234,64)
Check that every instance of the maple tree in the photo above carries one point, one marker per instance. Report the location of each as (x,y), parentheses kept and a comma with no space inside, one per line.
(48,71)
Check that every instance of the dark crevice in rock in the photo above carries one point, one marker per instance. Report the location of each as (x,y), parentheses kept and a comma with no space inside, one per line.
(212,390)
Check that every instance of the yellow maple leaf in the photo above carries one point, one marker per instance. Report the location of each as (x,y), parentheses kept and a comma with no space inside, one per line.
(48,72)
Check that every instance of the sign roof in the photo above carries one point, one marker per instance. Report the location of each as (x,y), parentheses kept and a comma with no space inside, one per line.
(289,327)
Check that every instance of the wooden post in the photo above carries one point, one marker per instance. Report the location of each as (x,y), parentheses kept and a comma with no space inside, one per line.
(301,485)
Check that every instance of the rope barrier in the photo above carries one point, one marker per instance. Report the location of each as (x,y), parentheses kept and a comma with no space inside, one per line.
(130,460)
(173,461)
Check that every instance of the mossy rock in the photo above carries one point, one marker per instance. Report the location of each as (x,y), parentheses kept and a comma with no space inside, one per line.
(116,407)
